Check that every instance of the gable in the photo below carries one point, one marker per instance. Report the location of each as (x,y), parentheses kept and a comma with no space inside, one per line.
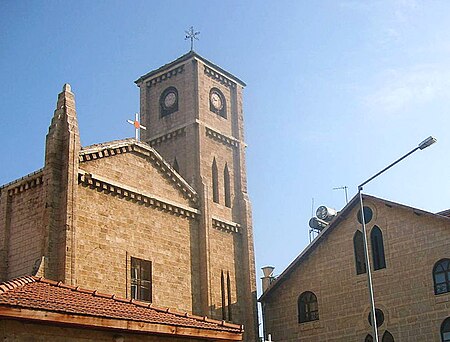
(137,167)
(415,221)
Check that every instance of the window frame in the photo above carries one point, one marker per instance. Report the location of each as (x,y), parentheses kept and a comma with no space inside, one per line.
(163,110)
(307,307)
(140,268)
(446,273)
(358,249)
(377,244)
(445,324)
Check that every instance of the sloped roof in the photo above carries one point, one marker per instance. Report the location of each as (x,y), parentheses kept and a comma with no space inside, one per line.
(21,298)
(110,148)
(185,57)
(333,224)
(444,213)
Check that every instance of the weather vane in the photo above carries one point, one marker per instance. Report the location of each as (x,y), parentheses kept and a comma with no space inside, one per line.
(190,34)
(137,126)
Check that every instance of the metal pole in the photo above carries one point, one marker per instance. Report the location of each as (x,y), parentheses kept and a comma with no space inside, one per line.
(369,272)
(424,144)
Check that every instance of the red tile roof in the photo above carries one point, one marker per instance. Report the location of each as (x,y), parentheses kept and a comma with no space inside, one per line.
(33,293)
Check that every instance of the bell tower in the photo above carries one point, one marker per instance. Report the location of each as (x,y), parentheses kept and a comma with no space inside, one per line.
(193,112)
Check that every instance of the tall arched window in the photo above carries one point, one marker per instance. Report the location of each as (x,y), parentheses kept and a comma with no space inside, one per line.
(387,337)
(227,186)
(358,248)
(308,309)
(376,239)
(441,276)
(445,330)
(368,338)
(215,182)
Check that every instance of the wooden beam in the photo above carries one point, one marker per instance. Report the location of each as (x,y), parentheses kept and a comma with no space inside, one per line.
(125,325)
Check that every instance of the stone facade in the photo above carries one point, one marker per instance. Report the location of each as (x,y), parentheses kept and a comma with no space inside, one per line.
(414,241)
(90,210)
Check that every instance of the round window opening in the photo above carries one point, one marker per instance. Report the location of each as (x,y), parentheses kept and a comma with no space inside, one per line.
(368,214)
(379,315)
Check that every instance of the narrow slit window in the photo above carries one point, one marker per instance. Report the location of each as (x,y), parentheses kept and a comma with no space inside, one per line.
(376,239)
(230,315)
(215,182)
(227,186)
(222,287)
(358,248)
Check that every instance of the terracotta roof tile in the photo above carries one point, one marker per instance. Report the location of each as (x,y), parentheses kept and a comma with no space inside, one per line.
(42,294)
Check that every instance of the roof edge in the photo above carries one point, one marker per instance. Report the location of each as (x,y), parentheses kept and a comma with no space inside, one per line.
(342,215)
(24,280)
(185,57)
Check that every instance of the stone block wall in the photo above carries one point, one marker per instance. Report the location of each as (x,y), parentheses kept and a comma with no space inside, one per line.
(413,243)
(22,226)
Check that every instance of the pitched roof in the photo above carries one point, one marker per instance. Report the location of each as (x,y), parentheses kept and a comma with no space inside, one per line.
(23,298)
(110,148)
(333,224)
(185,57)
(444,213)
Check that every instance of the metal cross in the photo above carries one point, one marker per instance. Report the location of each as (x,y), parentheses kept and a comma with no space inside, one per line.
(191,35)
(136,125)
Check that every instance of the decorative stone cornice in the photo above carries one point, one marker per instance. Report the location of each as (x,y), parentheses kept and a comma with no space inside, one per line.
(224,139)
(165,76)
(24,183)
(168,136)
(139,197)
(227,226)
(219,77)
(131,145)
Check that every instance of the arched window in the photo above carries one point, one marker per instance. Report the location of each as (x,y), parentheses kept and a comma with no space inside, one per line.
(445,330)
(368,338)
(308,309)
(387,337)
(215,182)
(376,239)
(226,185)
(358,248)
(441,276)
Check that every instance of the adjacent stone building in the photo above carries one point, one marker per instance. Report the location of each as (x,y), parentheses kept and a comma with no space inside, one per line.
(165,220)
(323,295)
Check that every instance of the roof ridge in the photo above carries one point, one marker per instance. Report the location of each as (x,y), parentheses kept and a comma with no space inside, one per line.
(21,281)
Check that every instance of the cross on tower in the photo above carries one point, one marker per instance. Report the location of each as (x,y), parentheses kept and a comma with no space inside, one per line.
(136,125)
(190,34)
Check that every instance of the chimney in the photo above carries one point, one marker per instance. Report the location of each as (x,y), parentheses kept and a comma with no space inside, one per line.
(268,278)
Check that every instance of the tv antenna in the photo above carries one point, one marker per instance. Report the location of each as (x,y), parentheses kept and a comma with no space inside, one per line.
(345,189)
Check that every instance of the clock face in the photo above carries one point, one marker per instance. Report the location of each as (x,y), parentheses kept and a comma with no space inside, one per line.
(216,100)
(170,99)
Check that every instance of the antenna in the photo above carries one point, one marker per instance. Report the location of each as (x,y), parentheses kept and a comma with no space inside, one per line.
(345,189)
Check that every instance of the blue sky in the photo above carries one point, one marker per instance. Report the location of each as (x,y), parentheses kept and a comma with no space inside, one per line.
(336,90)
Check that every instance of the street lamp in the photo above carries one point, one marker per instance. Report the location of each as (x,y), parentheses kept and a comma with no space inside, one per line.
(424,144)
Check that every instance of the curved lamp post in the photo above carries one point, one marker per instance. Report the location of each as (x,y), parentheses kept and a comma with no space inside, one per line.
(424,144)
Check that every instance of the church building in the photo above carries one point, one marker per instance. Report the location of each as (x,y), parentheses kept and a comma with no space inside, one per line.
(323,294)
(165,220)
